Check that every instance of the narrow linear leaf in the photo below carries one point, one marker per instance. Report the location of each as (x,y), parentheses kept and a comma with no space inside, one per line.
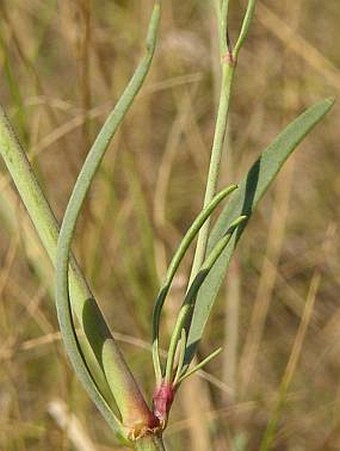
(186,311)
(200,365)
(172,269)
(124,388)
(181,355)
(245,27)
(243,202)
(47,229)
(99,345)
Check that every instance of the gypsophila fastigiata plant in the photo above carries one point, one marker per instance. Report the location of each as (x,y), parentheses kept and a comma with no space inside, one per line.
(94,353)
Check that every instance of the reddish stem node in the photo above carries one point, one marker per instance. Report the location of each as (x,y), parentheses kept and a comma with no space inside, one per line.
(162,401)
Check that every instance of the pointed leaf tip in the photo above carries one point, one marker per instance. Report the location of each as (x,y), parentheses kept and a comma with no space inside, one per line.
(243,202)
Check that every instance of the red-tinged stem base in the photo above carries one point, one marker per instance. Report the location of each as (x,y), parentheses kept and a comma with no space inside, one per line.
(162,401)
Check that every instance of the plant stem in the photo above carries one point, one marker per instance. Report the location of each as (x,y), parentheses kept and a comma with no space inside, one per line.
(228,68)
(229,56)
(229,59)
(150,442)
(245,27)
(215,161)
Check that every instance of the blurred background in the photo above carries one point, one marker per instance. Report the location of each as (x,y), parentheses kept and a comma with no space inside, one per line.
(63,65)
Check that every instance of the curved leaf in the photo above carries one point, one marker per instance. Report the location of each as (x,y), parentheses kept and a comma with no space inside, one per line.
(124,388)
(172,269)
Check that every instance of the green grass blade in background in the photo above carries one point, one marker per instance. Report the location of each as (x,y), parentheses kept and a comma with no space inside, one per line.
(243,202)
(14,89)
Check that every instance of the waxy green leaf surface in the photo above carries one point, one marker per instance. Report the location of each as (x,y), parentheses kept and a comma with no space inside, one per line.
(243,202)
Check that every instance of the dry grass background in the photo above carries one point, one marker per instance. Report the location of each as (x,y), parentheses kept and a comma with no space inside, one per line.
(63,64)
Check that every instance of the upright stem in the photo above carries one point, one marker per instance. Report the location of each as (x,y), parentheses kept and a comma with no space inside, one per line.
(229,56)
(228,70)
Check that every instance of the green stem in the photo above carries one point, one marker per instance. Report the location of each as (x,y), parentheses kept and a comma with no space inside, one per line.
(229,58)
(245,27)
(215,161)
(150,442)
(222,9)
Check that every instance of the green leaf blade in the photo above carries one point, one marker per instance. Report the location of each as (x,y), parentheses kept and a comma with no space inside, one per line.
(243,202)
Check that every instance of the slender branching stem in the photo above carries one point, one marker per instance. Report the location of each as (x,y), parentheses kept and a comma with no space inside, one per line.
(200,270)
(222,9)
(216,155)
(228,62)
(95,356)
(244,28)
